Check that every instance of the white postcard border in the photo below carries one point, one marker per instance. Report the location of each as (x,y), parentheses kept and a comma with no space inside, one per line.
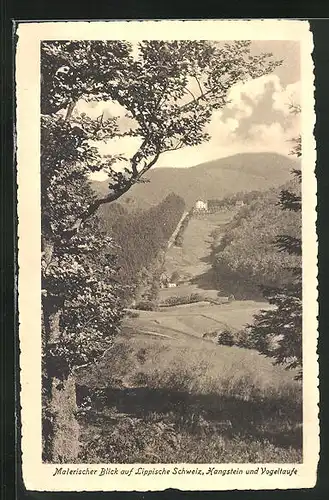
(42,477)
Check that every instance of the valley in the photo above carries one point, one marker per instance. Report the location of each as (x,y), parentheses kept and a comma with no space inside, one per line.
(192,263)
(166,392)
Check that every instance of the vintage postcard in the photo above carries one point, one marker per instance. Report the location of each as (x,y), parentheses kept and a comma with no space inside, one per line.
(167,255)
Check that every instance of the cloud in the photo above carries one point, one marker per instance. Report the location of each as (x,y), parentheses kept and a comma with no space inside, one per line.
(108,109)
(125,146)
(258,115)
(267,133)
(254,89)
(271,136)
(289,95)
(94,109)
(246,98)
(256,118)
(232,124)
(243,97)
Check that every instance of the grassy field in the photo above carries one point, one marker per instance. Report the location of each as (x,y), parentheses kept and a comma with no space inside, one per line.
(193,259)
(196,319)
(164,393)
(175,399)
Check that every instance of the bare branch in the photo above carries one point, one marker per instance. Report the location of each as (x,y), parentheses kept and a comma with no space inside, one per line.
(195,101)
(134,159)
(100,119)
(149,165)
(157,104)
(194,98)
(92,209)
(200,88)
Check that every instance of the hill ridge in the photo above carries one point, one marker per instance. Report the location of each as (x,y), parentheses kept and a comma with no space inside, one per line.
(212,179)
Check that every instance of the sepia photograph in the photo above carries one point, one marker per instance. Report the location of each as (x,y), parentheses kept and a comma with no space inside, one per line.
(169,327)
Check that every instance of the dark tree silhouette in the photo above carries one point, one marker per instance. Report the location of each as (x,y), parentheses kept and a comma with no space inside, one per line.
(277,333)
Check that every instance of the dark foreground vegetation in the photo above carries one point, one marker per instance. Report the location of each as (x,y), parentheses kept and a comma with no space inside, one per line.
(152,401)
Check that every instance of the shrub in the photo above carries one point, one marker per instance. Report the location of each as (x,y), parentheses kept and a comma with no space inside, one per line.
(242,339)
(175,277)
(147,305)
(185,299)
(226,338)
(132,314)
(196,297)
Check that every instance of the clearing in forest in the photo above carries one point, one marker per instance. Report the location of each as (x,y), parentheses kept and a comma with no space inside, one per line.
(167,393)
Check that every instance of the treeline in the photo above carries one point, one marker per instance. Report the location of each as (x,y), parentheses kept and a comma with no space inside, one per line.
(180,235)
(141,239)
(231,200)
(245,257)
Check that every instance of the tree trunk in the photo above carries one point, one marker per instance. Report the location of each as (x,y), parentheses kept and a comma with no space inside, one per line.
(64,438)
(60,427)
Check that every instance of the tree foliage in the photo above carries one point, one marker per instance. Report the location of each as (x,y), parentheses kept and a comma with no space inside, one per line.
(278,333)
(78,274)
(246,257)
(230,200)
(81,69)
(141,236)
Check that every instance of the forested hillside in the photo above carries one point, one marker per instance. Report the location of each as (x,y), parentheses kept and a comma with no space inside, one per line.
(214,179)
(245,257)
(228,201)
(141,236)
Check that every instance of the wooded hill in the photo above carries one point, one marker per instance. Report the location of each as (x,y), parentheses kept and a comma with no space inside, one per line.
(141,236)
(214,179)
(246,257)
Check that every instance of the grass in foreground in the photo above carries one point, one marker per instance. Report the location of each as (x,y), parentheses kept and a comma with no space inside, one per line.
(153,401)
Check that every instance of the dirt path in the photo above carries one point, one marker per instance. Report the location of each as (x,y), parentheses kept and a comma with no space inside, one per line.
(193,261)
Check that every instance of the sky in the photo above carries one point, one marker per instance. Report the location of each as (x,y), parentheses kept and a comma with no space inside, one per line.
(257,118)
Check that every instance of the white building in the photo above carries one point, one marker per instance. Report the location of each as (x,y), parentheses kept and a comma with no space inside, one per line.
(239,204)
(201,205)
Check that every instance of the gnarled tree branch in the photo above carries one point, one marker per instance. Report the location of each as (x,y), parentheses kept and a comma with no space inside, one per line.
(109,198)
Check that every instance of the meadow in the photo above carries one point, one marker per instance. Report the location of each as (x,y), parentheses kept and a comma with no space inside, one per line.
(156,398)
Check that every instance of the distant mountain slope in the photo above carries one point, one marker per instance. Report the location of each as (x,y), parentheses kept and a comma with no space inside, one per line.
(214,179)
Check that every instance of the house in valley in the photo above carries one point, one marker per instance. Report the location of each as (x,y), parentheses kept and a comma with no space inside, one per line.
(201,206)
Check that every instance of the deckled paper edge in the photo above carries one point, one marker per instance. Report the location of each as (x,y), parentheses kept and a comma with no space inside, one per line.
(38,476)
